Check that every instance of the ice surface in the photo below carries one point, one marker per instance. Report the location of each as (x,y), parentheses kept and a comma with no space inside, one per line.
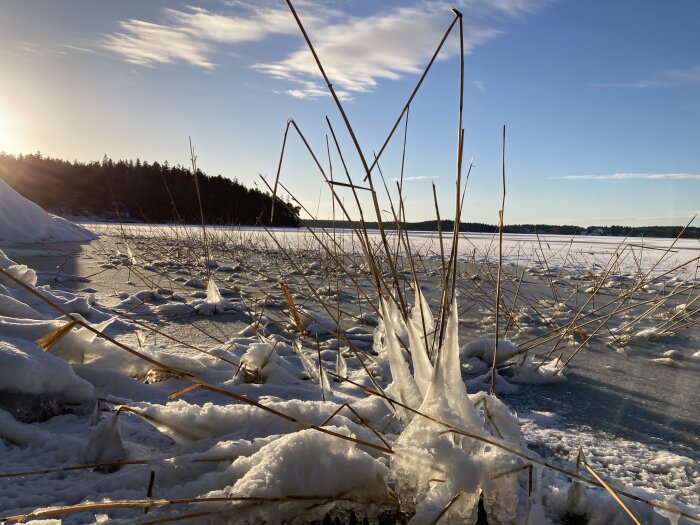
(203,444)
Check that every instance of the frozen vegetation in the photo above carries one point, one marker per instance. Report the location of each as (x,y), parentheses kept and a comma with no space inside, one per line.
(229,375)
(242,418)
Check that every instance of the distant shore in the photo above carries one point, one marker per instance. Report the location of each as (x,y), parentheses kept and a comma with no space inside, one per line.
(691,232)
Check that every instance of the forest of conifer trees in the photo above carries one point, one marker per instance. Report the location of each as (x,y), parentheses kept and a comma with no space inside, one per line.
(137,191)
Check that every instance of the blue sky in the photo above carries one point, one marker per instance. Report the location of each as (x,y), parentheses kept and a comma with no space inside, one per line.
(601,99)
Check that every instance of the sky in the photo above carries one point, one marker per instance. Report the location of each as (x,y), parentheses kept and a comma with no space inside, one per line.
(600,99)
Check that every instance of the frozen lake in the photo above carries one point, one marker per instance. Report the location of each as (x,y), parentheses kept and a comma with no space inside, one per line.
(631,396)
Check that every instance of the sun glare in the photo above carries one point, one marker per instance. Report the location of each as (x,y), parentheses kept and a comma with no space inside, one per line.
(8,140)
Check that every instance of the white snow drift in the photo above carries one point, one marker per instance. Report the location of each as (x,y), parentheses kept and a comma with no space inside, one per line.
(23,221)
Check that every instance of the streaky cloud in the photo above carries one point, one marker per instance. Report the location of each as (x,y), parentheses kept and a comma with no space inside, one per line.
(633,176)
(420,177)
(664,79)
(358,52)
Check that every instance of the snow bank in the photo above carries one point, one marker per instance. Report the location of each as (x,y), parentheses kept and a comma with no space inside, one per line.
(24,368)
(292,465)
(23,221)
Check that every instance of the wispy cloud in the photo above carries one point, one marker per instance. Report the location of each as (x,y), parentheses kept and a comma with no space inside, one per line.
(192,36)
(147,44)
(357,51)
(420,177)
(633,176)
(664,79)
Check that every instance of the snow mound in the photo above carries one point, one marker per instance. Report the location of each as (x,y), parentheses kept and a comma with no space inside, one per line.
(36,385)
(22,221)
(292,465)
(484,348)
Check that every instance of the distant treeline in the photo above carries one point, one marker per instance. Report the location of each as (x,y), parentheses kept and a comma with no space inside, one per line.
(478,227)
(137,191)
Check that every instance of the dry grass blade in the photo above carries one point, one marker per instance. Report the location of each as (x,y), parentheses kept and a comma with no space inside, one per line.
(49,339)
(182,391)
(292,309)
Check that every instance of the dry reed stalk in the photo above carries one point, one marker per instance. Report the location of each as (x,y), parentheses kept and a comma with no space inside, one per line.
(368,252)
(554,334)
(150,503)
(610,491)
(415,89)
(149,492)
(527,466)
(359,152)
(362,421)
(89,466)
(193,159)
(500,263)
(446,509)
(292,309)
(279,169)
(329,252)
(340,334)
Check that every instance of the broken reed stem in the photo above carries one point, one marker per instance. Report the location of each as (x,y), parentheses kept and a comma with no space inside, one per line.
(500,262)
(149,492)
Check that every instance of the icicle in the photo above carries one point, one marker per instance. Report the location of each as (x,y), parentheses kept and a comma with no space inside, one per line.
(422,367)
(423,315)
(213,293)
(309,367)
(325,384)
(576,499)
(105,442)
(422,318)
(457,392)
(341,366)
(401,377)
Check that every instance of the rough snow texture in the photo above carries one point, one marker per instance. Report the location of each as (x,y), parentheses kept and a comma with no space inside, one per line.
(206,445)
(22,221)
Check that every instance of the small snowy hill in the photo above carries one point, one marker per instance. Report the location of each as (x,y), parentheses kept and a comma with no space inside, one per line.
(23,221)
